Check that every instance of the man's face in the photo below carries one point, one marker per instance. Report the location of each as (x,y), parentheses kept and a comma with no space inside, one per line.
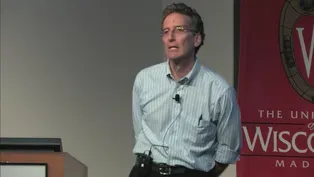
(178,39)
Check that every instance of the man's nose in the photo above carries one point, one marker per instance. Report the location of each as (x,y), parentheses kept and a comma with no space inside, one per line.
(171,36)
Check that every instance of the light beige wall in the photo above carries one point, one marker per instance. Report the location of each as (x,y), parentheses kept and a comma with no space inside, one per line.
(217,52)
(67,69)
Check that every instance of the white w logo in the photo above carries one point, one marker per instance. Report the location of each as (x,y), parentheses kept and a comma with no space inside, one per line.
(307,58)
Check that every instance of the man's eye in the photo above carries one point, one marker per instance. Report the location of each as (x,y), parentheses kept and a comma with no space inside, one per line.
(179,28)
(165,31)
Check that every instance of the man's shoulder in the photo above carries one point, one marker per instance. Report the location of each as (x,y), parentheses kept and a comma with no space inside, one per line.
(214,77)
(152,70)
(215,80)
(150,73)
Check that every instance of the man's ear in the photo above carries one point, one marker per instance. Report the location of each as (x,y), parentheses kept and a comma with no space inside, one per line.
(197,40)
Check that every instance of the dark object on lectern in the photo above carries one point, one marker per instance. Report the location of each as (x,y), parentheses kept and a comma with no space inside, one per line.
(11,144)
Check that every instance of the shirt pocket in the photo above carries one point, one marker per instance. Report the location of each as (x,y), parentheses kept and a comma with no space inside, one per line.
(199,129)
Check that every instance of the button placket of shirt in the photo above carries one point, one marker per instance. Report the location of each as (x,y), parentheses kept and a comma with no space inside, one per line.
(176,111)
(178,108)
(177,105)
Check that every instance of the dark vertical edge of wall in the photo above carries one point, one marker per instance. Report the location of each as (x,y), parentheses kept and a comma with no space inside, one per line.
(236,41)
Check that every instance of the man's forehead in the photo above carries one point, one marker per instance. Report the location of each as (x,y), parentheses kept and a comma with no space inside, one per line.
(176,19)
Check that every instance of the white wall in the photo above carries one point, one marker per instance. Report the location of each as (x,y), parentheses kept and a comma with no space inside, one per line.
(67,69)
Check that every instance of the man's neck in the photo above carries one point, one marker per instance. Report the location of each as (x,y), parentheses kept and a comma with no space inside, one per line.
(181,67)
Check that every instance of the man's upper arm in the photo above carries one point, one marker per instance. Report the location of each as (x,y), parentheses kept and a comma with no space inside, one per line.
(136,107)
(229,133)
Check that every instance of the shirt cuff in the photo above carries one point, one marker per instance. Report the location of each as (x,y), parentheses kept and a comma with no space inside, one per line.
(226,156)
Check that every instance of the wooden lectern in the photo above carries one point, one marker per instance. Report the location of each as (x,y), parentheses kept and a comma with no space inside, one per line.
(59,164)
(34,151)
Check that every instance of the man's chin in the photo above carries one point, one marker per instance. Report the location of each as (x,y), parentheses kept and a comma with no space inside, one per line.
(174,57)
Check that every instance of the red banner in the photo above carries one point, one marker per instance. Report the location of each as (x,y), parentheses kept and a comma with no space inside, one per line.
(276,88)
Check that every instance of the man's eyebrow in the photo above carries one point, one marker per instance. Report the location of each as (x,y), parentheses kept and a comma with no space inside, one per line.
(185,26)
(181,26)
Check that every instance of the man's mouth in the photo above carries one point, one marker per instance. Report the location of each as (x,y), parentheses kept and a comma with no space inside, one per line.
(173,47)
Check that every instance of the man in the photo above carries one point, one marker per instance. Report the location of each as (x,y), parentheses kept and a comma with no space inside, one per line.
(186,118)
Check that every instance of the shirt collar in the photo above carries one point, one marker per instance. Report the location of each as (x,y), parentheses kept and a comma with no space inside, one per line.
(190,76)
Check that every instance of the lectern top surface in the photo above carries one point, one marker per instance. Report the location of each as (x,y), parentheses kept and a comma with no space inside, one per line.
(30,144)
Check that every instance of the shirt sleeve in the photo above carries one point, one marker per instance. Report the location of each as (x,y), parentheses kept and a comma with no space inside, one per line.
(136,108)
(229,133)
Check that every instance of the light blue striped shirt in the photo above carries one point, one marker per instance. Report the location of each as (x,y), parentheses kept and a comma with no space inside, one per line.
(202,128)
